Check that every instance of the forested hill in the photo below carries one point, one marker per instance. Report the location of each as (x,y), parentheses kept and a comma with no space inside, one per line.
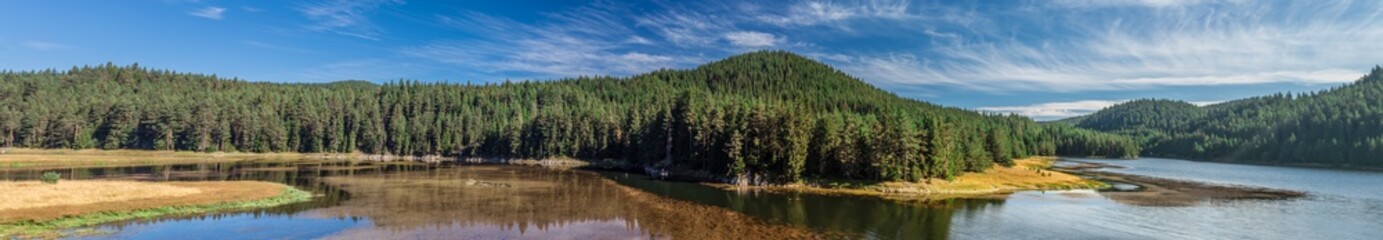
(1339,127)
(770,114)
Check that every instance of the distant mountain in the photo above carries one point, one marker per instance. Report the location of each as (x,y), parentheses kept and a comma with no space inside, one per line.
(771,114)
(1339,127)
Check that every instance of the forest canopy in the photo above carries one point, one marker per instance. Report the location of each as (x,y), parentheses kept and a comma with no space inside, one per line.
(771,114)
(1338,127)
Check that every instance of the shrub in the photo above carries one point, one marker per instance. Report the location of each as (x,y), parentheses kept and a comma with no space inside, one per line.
(51,177)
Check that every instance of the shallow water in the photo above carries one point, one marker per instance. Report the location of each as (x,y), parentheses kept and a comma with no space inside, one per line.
(421,201)
(1339,205)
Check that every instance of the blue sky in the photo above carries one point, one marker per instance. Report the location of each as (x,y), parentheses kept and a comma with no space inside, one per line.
(1043,58)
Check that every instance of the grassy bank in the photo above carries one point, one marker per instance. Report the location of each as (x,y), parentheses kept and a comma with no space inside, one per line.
(47,209)
(1026,174)
(40,159)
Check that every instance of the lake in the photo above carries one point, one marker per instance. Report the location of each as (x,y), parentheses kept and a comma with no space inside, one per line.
(427,201)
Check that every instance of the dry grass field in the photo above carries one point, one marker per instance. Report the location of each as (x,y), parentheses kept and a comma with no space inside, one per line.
(41,202)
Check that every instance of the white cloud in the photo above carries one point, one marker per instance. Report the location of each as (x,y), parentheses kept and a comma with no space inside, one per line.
(1122,3)
(639,40)
(588,41)
(685,28)
(346,17)
(1205,103)
(751,39)
(1054,110)
(836,57)
(216,13)
(1060,110)
(1305,43)
(813,12)
(44,46)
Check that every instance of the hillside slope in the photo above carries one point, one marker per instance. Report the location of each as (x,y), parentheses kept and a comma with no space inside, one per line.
(771,114)
(1338,127)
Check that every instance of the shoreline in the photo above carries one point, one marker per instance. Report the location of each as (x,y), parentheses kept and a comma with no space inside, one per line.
(1165,192)
(143,200)
(1026,175)
(1034,173)
(1265,164)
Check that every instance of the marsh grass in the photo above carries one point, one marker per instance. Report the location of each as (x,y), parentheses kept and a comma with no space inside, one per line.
(54,228)
(50,177)
(41,159)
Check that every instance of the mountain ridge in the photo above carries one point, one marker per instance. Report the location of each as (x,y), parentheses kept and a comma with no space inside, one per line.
(1337,127)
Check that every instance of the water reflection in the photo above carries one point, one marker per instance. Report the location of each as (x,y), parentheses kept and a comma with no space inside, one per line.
(854,217)
(505,202)
(370,200)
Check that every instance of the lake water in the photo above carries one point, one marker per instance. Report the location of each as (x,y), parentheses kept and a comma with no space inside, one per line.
(420,201)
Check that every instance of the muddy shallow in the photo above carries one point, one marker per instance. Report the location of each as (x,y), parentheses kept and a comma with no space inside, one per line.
(1155,191)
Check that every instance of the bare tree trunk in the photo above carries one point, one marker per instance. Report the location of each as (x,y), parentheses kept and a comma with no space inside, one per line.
(168,139)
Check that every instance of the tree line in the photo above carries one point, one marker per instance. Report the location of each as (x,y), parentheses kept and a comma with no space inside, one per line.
(1341,126)
(767,114)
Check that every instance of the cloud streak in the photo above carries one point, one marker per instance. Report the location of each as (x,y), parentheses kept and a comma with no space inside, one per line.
(1054,110)
(346,17)
(813,12)
(591,41)
(1060,110)
(1223,44)
(214,13)
(752,39)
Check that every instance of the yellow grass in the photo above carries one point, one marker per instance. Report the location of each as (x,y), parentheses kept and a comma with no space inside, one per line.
(35,201)
(1024,175)
(70,193)
(24,158)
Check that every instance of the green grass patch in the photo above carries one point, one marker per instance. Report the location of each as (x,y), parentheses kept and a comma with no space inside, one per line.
(54,228)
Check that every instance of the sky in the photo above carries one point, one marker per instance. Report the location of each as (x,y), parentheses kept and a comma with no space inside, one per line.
(1047,59)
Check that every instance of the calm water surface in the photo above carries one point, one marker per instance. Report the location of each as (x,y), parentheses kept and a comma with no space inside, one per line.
(419,201)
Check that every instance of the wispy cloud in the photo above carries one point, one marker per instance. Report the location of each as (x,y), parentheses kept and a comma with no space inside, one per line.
(1227,44)
(686,28)
(1132,3)
(44,46)
(346,17)
(592,40)
(1060,110)
(216,13)
(1054,110)
(814,12)
(752,39)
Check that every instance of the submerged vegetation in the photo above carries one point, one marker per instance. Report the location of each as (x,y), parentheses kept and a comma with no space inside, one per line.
(770,115)
(1339,127)
(50,177)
